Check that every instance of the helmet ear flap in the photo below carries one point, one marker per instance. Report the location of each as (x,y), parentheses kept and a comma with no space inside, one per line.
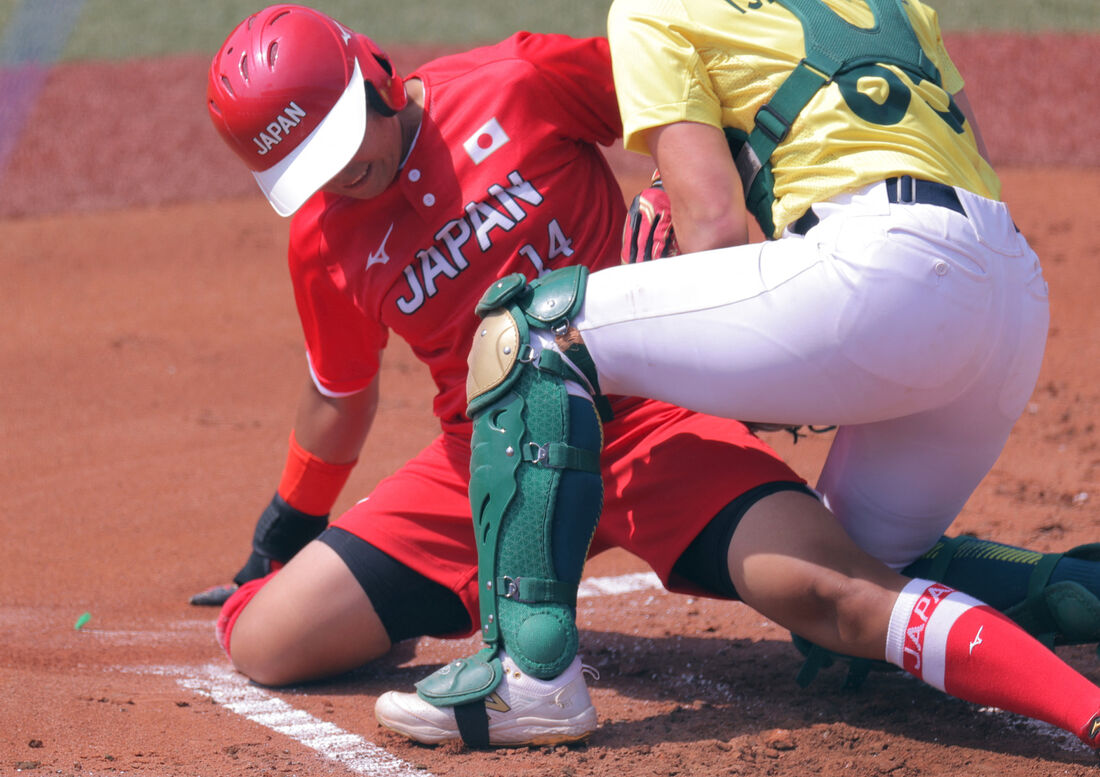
(377,103)
(384,104)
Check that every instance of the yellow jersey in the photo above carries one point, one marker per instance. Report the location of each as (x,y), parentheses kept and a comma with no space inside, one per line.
(717,62)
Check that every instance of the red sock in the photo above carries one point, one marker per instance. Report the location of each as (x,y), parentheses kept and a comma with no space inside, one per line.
(966,648)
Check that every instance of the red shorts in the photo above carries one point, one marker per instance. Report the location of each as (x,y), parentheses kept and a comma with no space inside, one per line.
(666,471)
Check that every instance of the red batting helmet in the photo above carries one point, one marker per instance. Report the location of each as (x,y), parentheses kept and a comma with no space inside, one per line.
(288,92)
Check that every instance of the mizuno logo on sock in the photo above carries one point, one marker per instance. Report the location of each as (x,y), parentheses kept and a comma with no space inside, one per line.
(977,639)
(1094,727)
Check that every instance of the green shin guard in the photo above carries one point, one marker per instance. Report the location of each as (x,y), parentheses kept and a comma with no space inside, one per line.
(1061,613)
(535,489)
(1056,613)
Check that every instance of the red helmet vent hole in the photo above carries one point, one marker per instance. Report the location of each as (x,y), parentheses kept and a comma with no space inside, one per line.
(272,54)
(243,66)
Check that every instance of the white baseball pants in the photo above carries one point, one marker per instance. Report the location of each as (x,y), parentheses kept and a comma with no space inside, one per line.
(918,330)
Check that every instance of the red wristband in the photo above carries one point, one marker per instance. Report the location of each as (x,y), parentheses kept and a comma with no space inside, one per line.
(310,484)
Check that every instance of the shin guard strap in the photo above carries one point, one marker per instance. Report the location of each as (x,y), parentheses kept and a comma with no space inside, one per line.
(532,590)
(559,455)
(1040,576)
(579,355)
(580,362)
(473,723)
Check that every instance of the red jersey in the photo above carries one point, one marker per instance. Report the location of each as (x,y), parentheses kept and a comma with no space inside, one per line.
(504,176)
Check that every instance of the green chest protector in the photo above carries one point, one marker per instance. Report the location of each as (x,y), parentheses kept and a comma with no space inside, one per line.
(834,47)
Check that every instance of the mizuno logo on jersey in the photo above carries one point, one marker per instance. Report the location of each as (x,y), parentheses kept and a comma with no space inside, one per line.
(380,256)
(487,139)
(277,130)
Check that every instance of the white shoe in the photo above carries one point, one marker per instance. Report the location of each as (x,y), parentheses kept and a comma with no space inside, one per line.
(523,710)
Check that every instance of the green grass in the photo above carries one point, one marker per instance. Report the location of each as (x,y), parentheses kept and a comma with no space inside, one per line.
(112,29)
(120,29)
(1026,15)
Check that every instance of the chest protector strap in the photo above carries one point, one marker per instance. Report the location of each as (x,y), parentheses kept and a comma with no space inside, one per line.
(833,46)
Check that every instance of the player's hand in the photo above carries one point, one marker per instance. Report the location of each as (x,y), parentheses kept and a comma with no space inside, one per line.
(280,533)
(257,566)
(214,596)
(648,233)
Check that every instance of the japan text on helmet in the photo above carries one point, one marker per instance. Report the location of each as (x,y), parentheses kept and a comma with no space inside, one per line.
(288,91)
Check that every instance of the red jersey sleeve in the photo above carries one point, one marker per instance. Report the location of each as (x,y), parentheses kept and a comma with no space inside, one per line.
(576,73)
(343,341)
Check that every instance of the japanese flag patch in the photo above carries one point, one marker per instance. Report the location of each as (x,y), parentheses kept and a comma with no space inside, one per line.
(487,139)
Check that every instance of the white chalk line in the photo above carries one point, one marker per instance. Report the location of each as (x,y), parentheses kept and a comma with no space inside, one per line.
(590,588)
(361,756)
(235,693)
(620,584)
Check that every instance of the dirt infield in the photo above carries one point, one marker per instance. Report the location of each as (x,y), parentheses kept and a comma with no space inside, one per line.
(148,373)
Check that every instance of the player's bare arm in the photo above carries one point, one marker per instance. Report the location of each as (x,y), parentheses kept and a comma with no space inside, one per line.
(710,207)
(334,428)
